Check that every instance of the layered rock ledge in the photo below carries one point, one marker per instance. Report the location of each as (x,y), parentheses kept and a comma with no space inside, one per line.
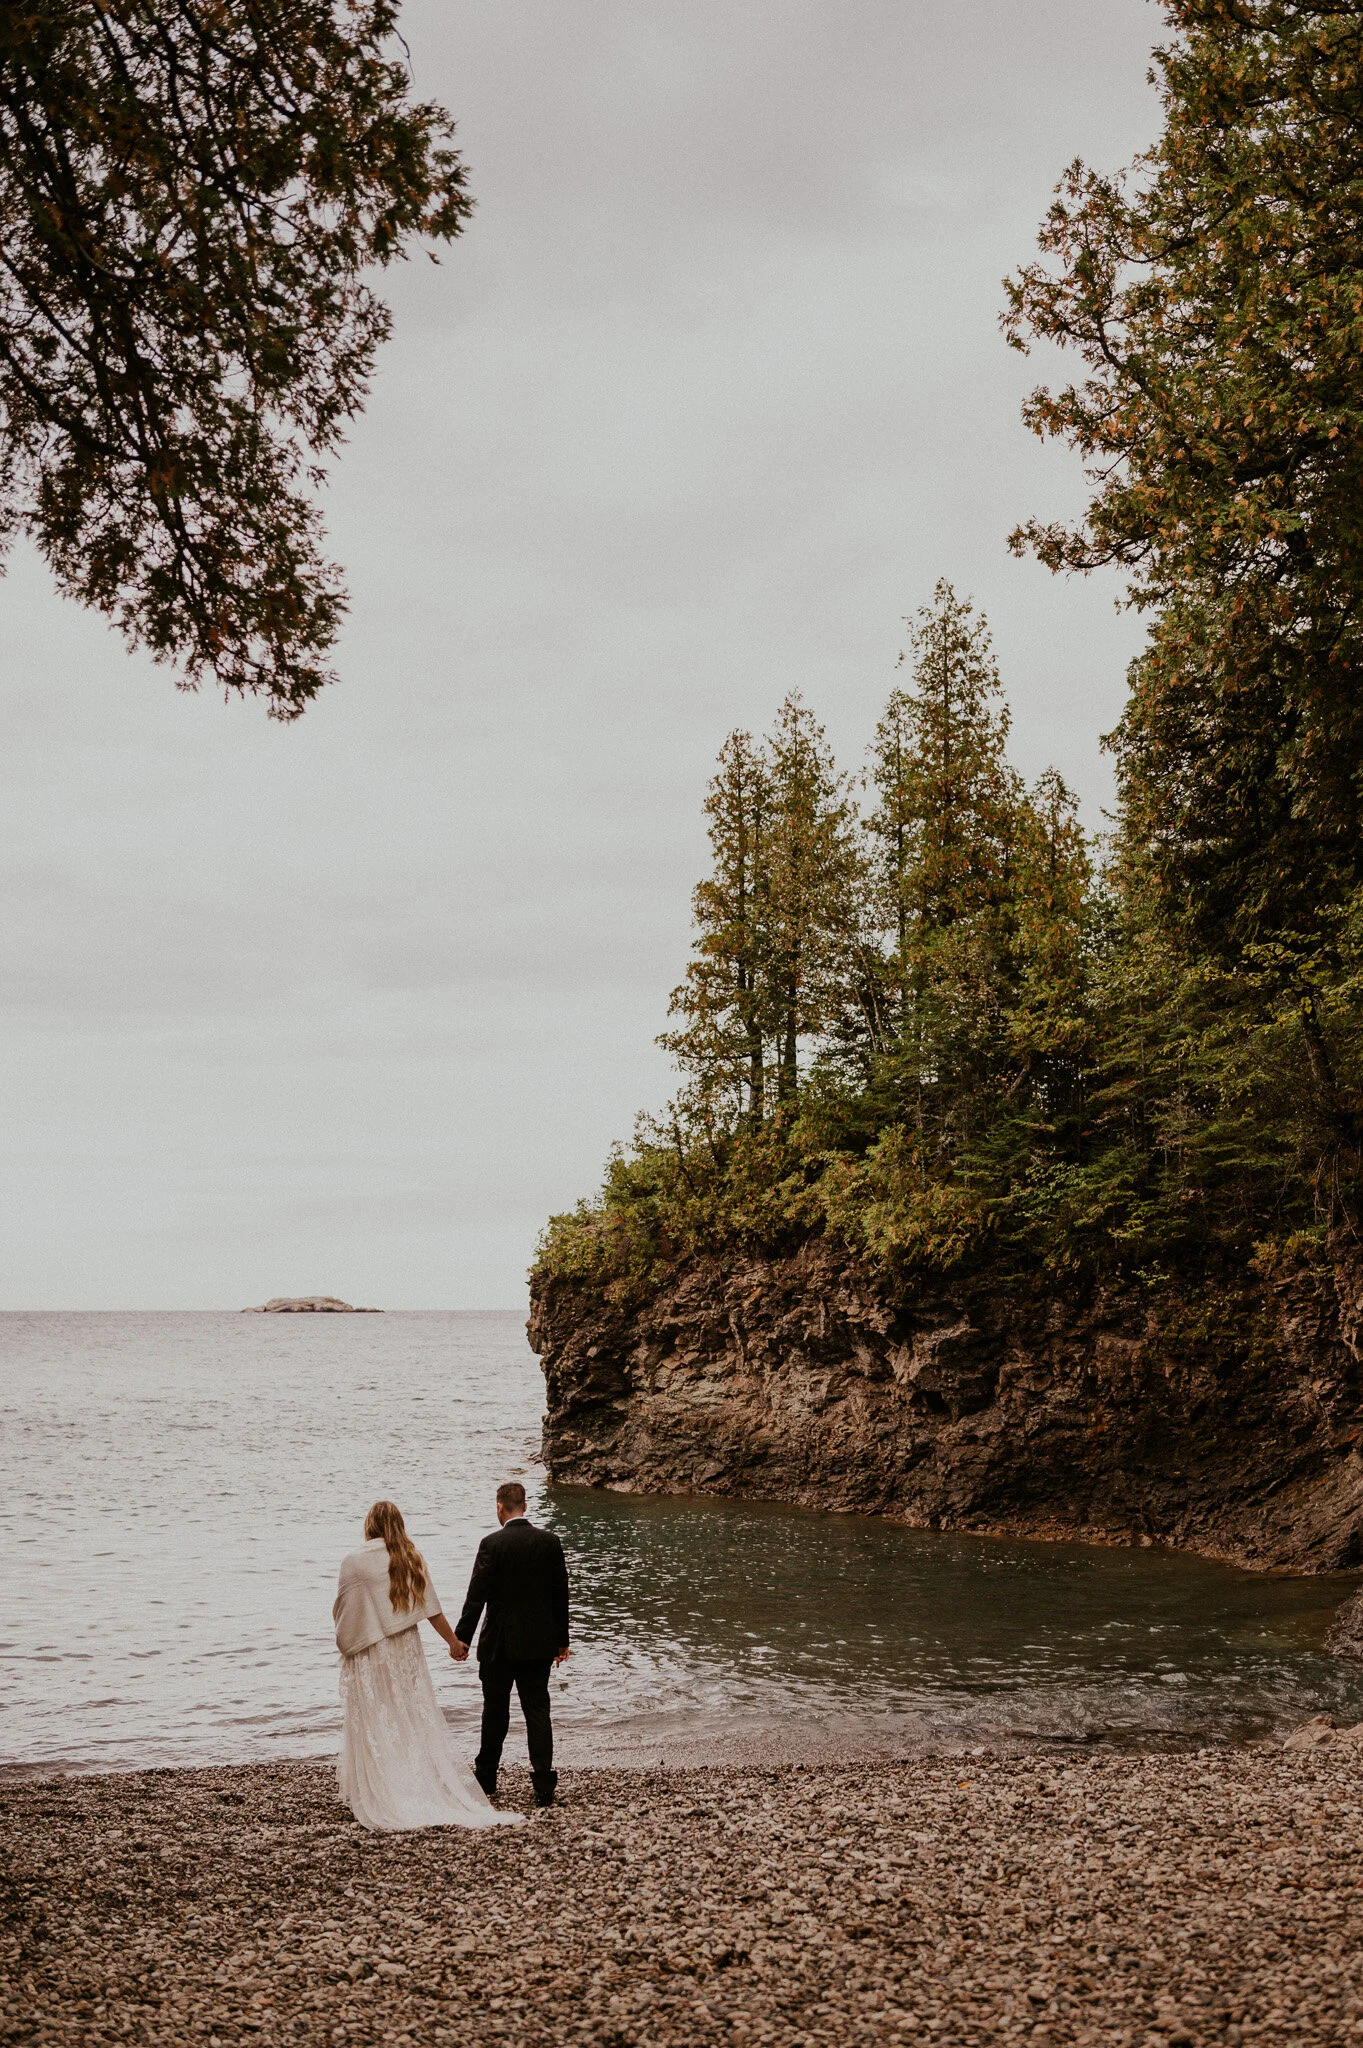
(1226,1421)
(1136,1902)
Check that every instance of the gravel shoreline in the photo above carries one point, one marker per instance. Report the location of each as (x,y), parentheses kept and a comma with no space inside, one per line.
(1080,1898)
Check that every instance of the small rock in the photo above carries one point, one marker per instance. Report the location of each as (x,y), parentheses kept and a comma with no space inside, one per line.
(1317,1733)
(694,1947)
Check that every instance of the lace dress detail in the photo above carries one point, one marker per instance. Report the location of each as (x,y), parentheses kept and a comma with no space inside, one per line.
(397,1767)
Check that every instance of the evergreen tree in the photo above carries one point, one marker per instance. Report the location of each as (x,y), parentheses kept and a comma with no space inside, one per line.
(1050,1023)
(944,831)
(726,997)
(945,818)
(775,918)
(1216,299)
(813,886)
(886,1026)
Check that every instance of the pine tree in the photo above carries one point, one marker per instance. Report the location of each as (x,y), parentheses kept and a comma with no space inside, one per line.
(1050,1025)
(726,996)
(1216,301)
(813,886)
(945,816)
(775,918)
(944,834)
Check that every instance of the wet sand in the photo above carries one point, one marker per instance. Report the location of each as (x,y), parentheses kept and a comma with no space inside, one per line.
(1075,1898)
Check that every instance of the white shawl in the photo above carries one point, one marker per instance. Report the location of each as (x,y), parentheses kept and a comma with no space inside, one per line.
(363,1613)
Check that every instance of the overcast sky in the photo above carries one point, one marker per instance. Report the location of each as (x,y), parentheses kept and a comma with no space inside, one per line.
(706,398)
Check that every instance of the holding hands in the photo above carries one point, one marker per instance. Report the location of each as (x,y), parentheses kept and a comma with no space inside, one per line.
(459,1651)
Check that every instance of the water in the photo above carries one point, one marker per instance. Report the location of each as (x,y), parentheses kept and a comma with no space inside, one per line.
(176,1492)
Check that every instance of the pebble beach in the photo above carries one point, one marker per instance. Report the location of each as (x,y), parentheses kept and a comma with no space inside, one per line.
(1143,1901)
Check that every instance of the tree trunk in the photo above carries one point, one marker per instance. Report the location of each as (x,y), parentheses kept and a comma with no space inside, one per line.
(1338,1173)
(789,1064)
(1318,1057)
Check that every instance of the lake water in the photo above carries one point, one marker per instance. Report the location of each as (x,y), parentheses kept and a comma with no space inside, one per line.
(176,1492)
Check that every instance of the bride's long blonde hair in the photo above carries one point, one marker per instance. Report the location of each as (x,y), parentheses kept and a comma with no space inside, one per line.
(406,1567)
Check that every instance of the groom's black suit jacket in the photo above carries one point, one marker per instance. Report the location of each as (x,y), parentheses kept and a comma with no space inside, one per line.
(520,1577)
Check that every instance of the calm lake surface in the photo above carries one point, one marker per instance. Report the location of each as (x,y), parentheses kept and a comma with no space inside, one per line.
(176,1492)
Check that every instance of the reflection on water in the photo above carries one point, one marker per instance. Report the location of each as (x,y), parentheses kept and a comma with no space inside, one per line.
(177,1490)
(814,1630)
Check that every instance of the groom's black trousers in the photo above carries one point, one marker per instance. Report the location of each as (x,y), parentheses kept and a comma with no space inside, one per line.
(530,1676)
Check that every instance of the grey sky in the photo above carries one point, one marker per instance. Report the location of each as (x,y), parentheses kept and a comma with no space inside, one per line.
(705,400)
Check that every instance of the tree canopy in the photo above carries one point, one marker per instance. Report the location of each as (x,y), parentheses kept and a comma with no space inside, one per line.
(922,1016)
(190,196)
(1144,1059)
(775,918)
(1214,293)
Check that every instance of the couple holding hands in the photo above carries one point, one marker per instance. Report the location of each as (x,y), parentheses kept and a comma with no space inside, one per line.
(397,1767)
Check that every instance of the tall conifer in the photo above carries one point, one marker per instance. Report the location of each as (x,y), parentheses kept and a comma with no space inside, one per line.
(813,883)
(726,998)
(945,823)
(1215,299)
(775,918)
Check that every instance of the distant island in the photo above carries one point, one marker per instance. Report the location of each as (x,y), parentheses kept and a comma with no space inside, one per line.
(309,1305)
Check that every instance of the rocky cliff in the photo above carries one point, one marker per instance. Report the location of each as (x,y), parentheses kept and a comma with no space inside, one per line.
(1225,1421)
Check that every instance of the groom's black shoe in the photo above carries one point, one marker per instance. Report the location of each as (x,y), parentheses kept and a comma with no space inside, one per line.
(544,1783)
(489,1785)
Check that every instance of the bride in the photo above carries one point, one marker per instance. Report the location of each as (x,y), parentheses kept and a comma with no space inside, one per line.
(397,1767)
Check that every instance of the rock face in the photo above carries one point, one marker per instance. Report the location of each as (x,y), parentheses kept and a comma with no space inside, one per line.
(308,1304)
(1227,1422)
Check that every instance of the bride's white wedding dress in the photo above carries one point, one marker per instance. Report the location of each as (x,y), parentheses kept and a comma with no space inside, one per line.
(397,1767)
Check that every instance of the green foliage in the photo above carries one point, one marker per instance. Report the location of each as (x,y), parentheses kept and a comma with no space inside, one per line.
(776,917)
(1157,1069)
(1216,297)
(1047,1079)
(884,1019)
(189,197)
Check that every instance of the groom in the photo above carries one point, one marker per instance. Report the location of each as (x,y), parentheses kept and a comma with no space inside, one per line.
(520,1577)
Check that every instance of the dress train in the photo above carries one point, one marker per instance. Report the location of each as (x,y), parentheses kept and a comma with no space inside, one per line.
(397,1767)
